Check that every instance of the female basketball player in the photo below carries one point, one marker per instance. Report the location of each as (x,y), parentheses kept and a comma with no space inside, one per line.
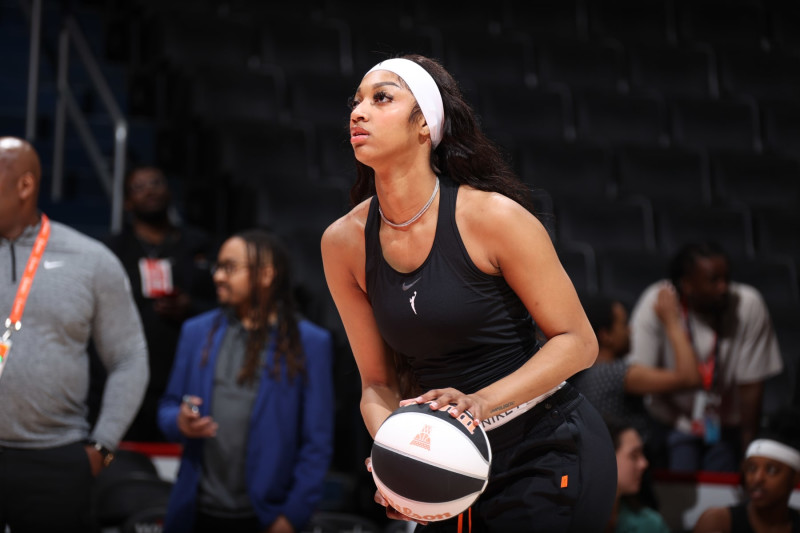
(440,274)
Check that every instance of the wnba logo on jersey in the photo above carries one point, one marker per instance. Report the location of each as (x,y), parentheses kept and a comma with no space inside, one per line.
(414,297)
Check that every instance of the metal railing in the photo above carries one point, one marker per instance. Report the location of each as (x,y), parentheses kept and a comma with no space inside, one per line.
(33,68)
(67,106)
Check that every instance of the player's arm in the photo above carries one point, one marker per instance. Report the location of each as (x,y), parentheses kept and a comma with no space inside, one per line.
(343,259)
(505,239)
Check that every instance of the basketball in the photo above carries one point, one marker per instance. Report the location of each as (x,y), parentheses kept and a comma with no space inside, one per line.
(429,465)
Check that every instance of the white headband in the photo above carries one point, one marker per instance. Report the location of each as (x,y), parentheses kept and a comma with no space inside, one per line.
(773,449)
(424,90)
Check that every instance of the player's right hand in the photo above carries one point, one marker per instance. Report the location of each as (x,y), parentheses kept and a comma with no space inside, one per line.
(391,512)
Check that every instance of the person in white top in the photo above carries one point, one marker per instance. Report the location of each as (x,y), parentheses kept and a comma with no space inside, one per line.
(730,329)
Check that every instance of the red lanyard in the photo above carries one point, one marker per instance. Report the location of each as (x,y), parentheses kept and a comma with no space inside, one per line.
(708,368)
(27,277)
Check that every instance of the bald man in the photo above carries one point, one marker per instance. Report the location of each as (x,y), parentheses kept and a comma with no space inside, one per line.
(77,290)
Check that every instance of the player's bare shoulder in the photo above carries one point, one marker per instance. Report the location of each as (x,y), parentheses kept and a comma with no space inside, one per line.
(347,232)
(489,211)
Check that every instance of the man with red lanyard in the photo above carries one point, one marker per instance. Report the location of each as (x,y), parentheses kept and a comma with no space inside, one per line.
(58,289)
(731,332)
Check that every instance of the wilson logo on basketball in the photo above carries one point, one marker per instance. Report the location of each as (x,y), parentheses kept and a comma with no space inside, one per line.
(423,438)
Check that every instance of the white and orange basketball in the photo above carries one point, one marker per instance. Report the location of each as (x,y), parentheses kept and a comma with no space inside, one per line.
(429,465)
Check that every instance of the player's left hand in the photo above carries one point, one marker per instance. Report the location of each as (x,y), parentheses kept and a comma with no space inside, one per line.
(459,402)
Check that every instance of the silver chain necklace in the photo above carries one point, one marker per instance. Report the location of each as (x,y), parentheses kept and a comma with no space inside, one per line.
(415,217)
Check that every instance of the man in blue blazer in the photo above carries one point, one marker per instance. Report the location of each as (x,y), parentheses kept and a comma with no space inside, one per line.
(250,397)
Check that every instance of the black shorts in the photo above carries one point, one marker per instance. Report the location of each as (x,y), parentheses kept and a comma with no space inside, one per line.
(554,470)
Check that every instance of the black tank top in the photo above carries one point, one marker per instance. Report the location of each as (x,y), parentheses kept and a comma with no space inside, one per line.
(740,523)
(456,325)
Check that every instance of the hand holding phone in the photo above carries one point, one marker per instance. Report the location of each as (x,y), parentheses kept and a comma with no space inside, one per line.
(190,423)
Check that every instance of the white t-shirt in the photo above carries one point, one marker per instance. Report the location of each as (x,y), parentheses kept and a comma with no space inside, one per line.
(748,351)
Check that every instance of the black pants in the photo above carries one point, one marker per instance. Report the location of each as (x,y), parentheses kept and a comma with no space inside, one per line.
(45,490)
(554,470)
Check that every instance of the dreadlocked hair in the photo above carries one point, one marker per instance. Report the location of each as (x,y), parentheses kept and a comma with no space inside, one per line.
(263,250)
(464,154)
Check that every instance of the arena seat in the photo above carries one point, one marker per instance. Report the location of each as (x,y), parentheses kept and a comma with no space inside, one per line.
(663,174)
(682,71)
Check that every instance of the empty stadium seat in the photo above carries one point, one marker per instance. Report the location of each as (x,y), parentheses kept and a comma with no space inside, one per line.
(774,277)
(220,94)
(777,230)
(603,224)
(189,40)
(679,224)
(773,75)
(480,17)
(664,174)
(307,45)
(335,153)
(563,168)
(375,42)
(625,274)
(685,71)
(514,111)
(632,22)
(320,99)
(129,485)
(261,152)
(781,123)
(723,23)
(472,57)
(547,19)
(611,118)
(757,180)
(784,19)
(714,124)
(580,65)
(580,262)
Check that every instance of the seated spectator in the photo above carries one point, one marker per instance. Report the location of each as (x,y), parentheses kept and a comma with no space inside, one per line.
(629,515)
(251,398)
(614,385)
(770,472)
(736,348)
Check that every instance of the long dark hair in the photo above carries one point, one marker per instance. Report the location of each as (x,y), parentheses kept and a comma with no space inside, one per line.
(264,249)
(465,154)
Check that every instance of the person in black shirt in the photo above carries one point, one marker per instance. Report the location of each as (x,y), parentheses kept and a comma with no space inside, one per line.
(169,268)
